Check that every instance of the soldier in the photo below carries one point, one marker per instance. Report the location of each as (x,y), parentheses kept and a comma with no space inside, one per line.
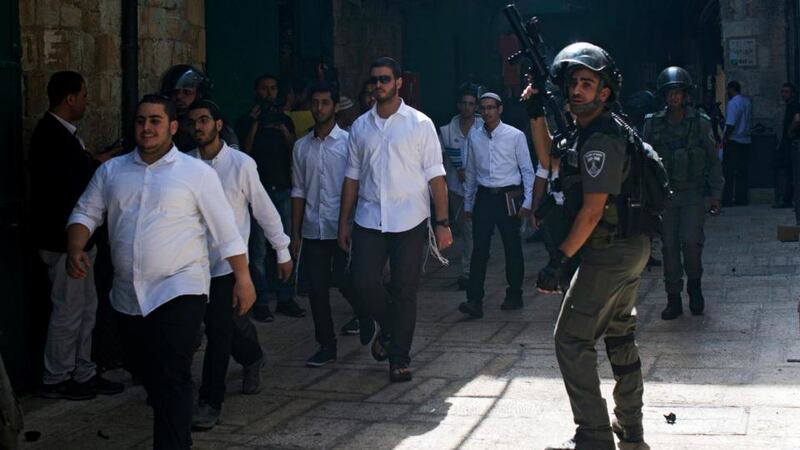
(683,137)
(601,296)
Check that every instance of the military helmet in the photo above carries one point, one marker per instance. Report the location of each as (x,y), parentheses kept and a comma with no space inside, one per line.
(589,56)
(673,77)
(185,76)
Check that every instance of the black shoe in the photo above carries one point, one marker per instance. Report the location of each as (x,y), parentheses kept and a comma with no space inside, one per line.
(251,377)
(262,313)
(367,330)
(629,439)
(380,346)
(472,309)
(399,373)
(205,418)
(290,308)
(323,356)
(103,386)
(69,389)
(463,282)
(583,444)
(674,307)
(696,301)
(351,328)
(511,304)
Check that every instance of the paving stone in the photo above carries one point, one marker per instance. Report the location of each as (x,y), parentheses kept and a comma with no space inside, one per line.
(313,432)
(365,382)
(456,365)
(359,410)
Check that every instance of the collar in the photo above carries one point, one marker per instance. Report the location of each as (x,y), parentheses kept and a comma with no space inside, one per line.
(221,155)
(404,110)
(336,133)
(169,157)
(496,132)
(70,127)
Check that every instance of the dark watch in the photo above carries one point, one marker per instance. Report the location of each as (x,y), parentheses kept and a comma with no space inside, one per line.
(442,223)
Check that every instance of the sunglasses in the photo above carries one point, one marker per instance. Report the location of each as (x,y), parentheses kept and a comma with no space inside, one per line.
(382,79)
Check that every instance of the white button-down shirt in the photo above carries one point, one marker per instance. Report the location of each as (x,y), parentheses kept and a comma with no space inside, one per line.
(393,160)
(738,115)
(453,140)
(239,176)
(318,167)
(497,160)
(159,217)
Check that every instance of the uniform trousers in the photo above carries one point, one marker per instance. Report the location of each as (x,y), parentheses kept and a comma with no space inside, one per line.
(735,168)
(601,302)
(394,308)
(683,239)
(160,348)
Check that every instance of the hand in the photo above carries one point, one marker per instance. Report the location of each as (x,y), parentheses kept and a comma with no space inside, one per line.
(255,112)
(244,294)
(78,264)
(444,237)
(462,175)
(533,221)
(108,154)
(523,213)
(294,247)
(549,279)
(534,101)
(343,237)
(285,270)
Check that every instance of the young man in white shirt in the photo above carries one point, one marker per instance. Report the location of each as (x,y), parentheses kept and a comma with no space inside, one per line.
(394,166)
(163,208)
(319,161)
(498,191)
(453,136)
(243,189)
(737,144)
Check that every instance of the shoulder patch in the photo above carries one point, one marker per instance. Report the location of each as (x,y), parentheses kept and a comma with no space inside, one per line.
(594,161)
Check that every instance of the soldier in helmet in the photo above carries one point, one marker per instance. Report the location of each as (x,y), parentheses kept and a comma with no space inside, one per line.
(683,137)
(599,301)
(184,85)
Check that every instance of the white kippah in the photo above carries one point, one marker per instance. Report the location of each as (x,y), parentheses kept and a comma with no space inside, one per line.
(492,95)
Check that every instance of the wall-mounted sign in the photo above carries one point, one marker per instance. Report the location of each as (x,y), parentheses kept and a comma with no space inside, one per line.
(742,52)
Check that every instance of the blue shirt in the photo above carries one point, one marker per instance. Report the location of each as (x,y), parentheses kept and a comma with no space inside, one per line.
(738,115)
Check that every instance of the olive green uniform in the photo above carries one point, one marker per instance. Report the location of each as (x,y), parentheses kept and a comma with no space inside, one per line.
(601,300)
(689,152)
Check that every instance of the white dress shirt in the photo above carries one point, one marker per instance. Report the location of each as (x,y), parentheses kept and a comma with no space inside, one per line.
(453,140)
(159,216)
(318,167)
(239,176)
(497,160)
(738,114)
(393,160)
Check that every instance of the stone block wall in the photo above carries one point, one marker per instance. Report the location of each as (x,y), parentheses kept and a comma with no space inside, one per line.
(84,36)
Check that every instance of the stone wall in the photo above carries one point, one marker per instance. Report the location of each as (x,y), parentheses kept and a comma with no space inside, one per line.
(765,22)
(362,31)
(84,35)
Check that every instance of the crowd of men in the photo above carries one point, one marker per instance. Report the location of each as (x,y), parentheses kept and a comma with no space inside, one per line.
(206,220)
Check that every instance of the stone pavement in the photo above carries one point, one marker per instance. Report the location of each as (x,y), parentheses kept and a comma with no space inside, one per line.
(494,383)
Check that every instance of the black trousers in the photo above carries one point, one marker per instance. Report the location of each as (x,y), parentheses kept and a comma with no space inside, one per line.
(489,211)
(395,309)
(325,265)
(160,348)
(735,166)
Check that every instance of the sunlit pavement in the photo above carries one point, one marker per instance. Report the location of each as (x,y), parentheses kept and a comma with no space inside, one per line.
(494,382)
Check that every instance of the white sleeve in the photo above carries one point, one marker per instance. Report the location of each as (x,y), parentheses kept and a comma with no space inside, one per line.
(218,216)
(264,211)
(91,206)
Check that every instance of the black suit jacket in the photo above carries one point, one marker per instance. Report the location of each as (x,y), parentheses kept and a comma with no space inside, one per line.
(60,171)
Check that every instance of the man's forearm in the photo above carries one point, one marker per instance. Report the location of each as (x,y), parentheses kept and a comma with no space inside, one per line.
(239,265)
(439,192)
(349,194)
(582,228)
(77,237)
(539,189)
(542,141)
(298,209)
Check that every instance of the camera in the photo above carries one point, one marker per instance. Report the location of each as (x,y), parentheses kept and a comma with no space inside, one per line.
(271,113)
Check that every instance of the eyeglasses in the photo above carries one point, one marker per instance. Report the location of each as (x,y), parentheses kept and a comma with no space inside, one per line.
(382,79)
(487,108)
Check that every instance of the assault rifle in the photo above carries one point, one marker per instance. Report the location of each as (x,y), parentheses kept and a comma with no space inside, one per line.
(530,39)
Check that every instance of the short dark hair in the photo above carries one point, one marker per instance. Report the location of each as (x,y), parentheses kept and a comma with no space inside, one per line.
(166,102)
(385,61)
(735,86)
(62,84)
(265,76)
(790,86)
(204,103)
(325,87)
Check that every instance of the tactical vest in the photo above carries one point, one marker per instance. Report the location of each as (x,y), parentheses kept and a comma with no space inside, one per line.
(682,148)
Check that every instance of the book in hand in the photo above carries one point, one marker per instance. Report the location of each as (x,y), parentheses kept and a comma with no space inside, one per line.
(513,202)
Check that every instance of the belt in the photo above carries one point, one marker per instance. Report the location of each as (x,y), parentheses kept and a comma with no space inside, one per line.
(498,190)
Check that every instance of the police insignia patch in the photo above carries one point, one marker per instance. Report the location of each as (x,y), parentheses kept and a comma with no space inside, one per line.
(594,161)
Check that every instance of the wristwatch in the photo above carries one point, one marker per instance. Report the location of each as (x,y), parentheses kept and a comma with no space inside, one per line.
(442,223)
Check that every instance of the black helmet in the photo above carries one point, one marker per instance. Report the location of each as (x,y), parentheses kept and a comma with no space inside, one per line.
(185,76)
(673,77)
(590,56)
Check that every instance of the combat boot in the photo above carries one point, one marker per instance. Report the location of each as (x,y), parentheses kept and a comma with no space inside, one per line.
(674,307)
(629,439)
(696,301)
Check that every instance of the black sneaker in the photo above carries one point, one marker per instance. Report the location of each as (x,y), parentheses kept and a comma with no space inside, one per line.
(472,309)
(262,313)
(290,308)
(69,389)
(251,377)
(103,386)
(351,328)
(205,418)
(509,304)
(323,356)
(674,307)
(367,331)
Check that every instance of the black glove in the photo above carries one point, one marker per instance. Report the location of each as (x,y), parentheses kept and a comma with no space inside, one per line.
(535,105)
(549,279)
